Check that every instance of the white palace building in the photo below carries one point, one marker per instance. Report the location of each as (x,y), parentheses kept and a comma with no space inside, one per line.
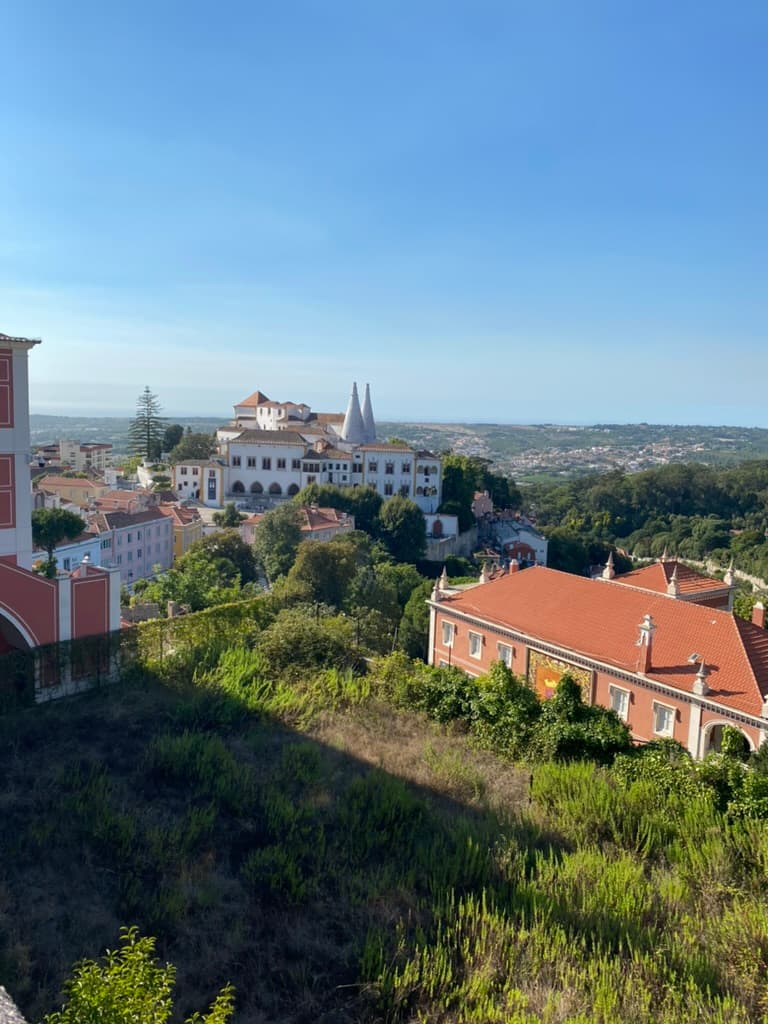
(272,450)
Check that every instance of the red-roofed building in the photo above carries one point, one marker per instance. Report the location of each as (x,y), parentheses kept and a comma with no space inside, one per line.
(667,667)
(187,526)
(35,610)
(673,578)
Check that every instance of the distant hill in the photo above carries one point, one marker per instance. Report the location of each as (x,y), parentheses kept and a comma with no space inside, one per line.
(524,452)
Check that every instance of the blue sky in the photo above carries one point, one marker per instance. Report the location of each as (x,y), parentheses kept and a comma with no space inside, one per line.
(523,212)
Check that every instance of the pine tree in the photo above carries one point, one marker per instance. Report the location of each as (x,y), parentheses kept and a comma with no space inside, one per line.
(145,434)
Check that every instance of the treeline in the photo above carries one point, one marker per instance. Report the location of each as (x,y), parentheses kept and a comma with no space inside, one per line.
(693,511)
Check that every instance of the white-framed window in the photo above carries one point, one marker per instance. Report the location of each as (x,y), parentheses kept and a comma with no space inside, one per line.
(475,643)
(505,654)
(236,460)
(663,719)
(449,631)
(619,701)
(183,470)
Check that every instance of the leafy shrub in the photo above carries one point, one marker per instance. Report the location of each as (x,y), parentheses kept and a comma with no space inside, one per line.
(129,986)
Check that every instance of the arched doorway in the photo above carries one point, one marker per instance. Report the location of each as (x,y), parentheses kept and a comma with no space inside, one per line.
(17,669)
(238,487)
(256,488)
(275,489)
(713,738)
(293,489)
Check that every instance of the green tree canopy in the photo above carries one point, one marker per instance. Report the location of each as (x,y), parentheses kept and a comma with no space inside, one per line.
(364,503)
(229,516)
(402,529)
(227,545)
(172,434)
(51,527)
(145,433)
(193,446)
(276,540)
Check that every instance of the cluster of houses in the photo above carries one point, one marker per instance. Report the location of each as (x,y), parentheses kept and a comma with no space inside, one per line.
(660,645)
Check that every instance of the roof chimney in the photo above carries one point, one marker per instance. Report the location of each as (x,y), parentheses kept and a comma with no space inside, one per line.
(729,577)
(609,572)
(443,580)
(758,614)
(700,684)
(672,587)
(514,565)
(645,643)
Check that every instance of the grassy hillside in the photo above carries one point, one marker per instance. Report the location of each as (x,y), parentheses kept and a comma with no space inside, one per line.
(339,859)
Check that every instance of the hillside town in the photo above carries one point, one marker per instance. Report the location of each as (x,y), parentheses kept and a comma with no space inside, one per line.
(135,528)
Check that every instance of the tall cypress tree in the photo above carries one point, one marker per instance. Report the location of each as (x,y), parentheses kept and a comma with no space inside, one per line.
(145,434)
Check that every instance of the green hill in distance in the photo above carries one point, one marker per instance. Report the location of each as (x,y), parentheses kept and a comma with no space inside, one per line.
(523,452)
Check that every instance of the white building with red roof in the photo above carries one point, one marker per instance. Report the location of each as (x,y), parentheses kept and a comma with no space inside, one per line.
(272,450)
(668,667)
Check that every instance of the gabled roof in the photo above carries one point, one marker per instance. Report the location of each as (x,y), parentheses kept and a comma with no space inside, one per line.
(8,339)
(181,515)
(656,578)
(101,521)
(257,398)
(323,519)
(601,623)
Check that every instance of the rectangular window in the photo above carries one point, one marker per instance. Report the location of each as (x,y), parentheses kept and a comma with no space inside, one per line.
(138,553)
(183,470)
(448,629)
(475,645)
(106,544)
(505,654)
(281,463)
(195,471)
(120,539)
(138,535)
(119,559)
(211,473)
(251,460)
(373,467)
(295,463)
(130,556)
(129,538)
(619,702)
(388,490)
(663,719)
(67,563)
(406,467)
(389,468)
(266,463)
(405,490)
(236,460)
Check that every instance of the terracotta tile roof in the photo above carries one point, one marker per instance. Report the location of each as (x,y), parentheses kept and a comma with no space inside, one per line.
(257,398)
(656,577)
(53,482)
(182,515)
(600,621)
(323,519)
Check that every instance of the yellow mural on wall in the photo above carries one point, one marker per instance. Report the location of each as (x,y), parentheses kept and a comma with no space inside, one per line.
(544,673)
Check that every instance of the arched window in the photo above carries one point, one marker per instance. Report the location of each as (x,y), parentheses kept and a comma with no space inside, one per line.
(419,490)
(275,489)
(293,489)
(437,528)
(256,488)
(238,487)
